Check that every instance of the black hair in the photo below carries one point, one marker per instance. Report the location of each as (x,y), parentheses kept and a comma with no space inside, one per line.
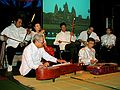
(36,23)
(18,17)
(61,24)
(90,26)
(90,39)
(109,28)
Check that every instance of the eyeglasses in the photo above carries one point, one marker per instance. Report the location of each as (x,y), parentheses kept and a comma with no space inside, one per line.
(40,41)
(91,43)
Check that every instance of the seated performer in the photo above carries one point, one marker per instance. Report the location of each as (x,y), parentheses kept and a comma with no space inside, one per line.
(65,41)
(64,37)
(84,35)
(87,54)
(38,30)
(32,55)
(16,36)
(108,46)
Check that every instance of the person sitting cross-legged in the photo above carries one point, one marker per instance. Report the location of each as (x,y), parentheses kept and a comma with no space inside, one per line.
(32,56)
(87,54)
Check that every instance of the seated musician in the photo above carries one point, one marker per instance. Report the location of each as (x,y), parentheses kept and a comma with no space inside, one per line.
(16,35)
(108,45)
(84,35)
(38,30)
(32,55)
(87,54)
(64,38)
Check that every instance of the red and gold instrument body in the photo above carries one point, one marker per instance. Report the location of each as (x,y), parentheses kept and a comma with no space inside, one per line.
(47,73)
(103,68)
(56,70)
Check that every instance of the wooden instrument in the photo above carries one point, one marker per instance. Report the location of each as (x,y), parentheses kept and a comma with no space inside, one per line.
(73,24)
(49,50)
(103,68)
(2,54)
(46,73)
(56,70)
(67,68)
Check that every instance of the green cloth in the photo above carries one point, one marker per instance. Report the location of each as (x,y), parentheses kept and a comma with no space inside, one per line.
(12,85)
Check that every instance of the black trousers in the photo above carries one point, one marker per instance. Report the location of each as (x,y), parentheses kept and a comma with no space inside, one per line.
(11,52)
(108,55)
(31,73)
(74,49)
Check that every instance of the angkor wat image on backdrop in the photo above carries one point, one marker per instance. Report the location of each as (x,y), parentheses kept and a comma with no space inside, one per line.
(51,20)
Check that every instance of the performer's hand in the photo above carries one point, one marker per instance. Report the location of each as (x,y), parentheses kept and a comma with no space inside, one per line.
(60,41)
(85,43)
(71,33)
(5,38)
(93,61)
(97,40)
(28,31)
(46,64)
(110,46)
(61,61)
(45,45)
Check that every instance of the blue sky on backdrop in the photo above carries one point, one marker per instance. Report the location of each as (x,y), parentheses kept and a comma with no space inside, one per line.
(81,6)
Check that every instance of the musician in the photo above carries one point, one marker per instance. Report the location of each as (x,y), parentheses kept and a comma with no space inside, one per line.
(38,30)
(87,54)
(108,45)
(16,35)
(84,35)
(31,57)
(64,37)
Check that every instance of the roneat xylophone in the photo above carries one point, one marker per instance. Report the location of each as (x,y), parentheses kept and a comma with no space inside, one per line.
(56,70)
(103,68)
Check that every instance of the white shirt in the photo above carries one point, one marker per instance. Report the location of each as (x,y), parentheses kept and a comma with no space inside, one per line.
(65,37)
(108,40)
(16,33)
(31,58)
(84,36)
(86,54)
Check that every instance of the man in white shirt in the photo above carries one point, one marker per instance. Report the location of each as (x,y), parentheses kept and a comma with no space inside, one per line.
(31,57)
(64,37)
(16,34)
(84,35)
(87,54)
(108,45)
(66,41)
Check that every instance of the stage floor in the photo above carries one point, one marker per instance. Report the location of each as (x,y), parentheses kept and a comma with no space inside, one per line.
(80,81)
